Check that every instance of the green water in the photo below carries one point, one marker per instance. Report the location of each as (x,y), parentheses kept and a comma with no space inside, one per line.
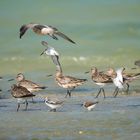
(107,33)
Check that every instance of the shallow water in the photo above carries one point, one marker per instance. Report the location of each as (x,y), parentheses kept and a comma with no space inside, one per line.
(107,35)
(111,119)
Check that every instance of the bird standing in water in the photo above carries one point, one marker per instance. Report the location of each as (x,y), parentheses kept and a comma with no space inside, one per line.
(67,82)
(118,80)
(100,79)
(129,77)
(89,105)
(31,86)
(53,103)
(21,94)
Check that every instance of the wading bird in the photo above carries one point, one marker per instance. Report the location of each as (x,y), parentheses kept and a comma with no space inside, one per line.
(101,79)
(89,105)
(118,80)
(67,82)
(21,94)
(53,103)
(31,86)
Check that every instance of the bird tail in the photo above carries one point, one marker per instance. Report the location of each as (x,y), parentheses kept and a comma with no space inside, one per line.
(80,81)
(83,80)
(41,87)
(96,102)
(137,75)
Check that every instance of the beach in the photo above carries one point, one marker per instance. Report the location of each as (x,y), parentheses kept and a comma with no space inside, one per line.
(106,34)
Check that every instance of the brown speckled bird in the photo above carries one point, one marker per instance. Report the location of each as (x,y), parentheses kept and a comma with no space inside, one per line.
(31,86)
(68,82)
(129,77)
(22,94)
(100,79)
(89,105)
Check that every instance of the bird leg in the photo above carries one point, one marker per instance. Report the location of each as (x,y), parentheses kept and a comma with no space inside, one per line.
(103,92)
(98,93)
(54,110)
(26,105)
(33,100)
(116,92)
(54,37)
(68,93)
(18,107)
(72,89)
(127,89)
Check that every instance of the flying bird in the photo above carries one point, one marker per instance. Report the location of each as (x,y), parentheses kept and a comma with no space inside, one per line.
(66,82)
(44,30)
(50,51)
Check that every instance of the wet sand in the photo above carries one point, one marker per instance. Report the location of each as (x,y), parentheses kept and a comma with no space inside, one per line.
(113,118)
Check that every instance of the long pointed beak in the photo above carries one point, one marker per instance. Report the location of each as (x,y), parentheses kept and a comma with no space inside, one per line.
(8,90)
(96,102)
(44,43)
(134,68)
(123,69)
(11,79)
(42,53)
(49,75)
(86,72)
